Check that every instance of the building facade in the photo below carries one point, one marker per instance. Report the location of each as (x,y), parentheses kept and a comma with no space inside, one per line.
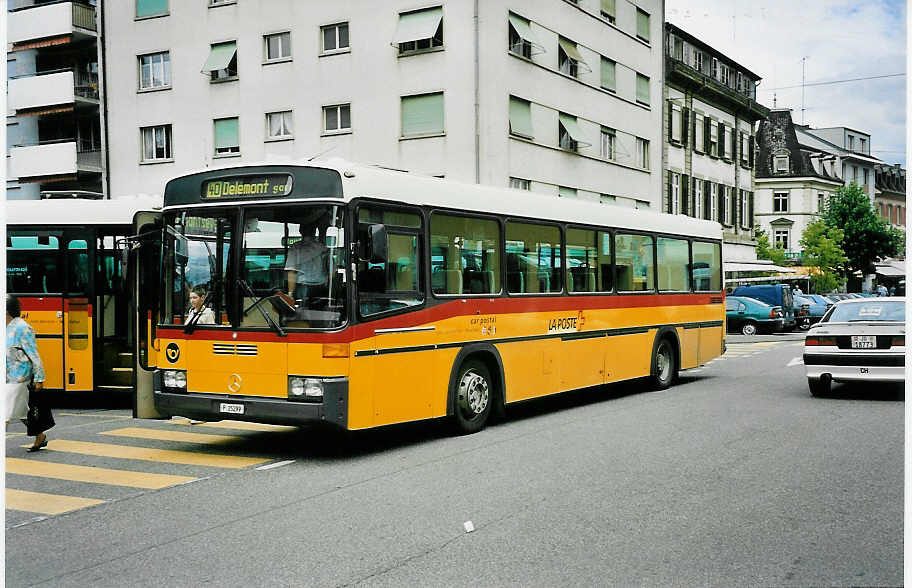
(54,122)
(890,194)
(799,168)
(710,109)
(556,96)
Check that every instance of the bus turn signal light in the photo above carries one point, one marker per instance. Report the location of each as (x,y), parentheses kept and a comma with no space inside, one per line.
(335,350)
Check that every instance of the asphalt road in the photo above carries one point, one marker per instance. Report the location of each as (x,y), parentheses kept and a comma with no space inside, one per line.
(735,476)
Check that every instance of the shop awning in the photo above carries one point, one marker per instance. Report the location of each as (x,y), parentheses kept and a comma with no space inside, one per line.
(746,266)
(890,271)
(414,26)
(220,56)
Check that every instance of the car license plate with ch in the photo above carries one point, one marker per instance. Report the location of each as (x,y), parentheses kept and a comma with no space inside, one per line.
(864,341)
(231,408)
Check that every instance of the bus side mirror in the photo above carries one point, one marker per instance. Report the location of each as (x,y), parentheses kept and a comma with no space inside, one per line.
(376,244)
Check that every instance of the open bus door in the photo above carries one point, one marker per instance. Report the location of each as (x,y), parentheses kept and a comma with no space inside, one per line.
(145,278)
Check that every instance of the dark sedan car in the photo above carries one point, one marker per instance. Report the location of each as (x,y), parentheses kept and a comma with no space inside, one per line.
(749,316)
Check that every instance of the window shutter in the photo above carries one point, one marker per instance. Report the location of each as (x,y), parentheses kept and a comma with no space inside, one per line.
(151,7)
(685,117)
(608,74)
(520,117)
(720,144)
(226,133)
(693,131)
(734,144)
(422,115)
(750,150)
(736,208)
(750,213)
(707,200)
(720,202)
(670,122)
(668,206)
(642,25)
(707,135)
(685,183)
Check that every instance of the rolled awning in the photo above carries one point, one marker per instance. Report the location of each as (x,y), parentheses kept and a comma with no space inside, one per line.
(414,26)
(220,56)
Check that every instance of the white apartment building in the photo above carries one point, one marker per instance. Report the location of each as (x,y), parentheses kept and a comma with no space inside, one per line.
(708,127)
(54,142)
(798,169)
(556,96)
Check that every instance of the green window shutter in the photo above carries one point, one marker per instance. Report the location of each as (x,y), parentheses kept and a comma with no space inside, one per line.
(220,56)
(521,117)
(421,24)
(572,129)
(608,74)
(570,49)
(226,133)
(565,192)
(642,89)
(151,7)
(642,25)
(608,7)
(422,115)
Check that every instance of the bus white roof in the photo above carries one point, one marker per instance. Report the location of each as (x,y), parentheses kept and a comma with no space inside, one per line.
(79,211)
(410,188)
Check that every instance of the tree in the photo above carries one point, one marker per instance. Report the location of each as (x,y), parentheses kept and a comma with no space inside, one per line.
(765,250)
(867,237)
(822,247)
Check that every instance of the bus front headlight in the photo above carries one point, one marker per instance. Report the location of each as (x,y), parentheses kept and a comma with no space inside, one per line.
(176,379)
(302,388)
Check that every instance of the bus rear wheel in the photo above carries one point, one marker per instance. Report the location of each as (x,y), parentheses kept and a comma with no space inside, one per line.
(664,365)
(474,395)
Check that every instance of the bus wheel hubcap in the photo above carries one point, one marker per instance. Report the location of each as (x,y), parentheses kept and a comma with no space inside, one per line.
(663,362)
(473,393)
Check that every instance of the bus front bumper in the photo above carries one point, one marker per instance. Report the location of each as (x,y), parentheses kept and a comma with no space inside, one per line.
(278,411)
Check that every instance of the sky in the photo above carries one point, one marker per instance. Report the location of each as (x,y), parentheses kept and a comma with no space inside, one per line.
(840,39)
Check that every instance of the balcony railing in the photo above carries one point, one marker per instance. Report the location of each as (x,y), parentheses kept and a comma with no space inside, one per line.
(51,88)
(738,99)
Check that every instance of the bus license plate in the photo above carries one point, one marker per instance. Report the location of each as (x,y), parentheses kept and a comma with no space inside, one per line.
(864,342)
(231,408)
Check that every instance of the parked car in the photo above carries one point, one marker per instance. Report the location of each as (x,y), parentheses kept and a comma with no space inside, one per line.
(815,307)
(775,295)
(749,316)
(860,339)
(802,309)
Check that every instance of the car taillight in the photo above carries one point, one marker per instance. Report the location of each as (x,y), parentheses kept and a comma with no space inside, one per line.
(898,341)
(774,313)
(815,341)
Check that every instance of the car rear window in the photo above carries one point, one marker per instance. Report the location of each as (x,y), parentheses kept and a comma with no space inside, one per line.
(868,311)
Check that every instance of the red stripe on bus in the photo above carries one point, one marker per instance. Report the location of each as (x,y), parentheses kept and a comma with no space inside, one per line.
(454,308)
(41,303)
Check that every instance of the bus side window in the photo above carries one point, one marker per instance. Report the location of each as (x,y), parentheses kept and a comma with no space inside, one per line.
(32,264)
(470,251)
(395,282)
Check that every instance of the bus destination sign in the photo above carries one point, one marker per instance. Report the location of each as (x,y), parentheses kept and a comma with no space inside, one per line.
(246,186)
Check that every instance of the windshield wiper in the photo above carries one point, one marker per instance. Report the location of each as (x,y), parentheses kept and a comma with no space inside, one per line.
(278,328)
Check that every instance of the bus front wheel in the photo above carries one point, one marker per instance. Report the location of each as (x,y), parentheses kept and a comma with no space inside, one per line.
(664,365)
(473,396)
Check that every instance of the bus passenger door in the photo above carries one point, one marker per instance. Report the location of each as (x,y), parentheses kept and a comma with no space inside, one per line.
(77,312)
(143,285)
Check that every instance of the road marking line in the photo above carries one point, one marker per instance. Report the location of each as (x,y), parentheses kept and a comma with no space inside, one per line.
(277,464)
(93,475)
(239,425)
(100,416)
(49,504)
(159,455)
(162,435)
(794,362)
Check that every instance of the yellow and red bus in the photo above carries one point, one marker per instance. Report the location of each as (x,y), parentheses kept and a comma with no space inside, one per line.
(64,262)
(422,297)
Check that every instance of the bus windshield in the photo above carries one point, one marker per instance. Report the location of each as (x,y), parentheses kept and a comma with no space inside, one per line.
(294,258)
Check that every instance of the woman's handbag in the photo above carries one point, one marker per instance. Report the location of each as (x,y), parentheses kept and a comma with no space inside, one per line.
(39,418)
(16,397)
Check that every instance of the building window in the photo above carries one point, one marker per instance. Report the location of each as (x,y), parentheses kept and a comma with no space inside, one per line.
(675,124)
(520,36)
(643,25)
(568,133)
(422,115)
(337,118)
(608,145)
(675,193)
(851,143)
(521,118)
(745,209)
(698,61)
(277,47)
(608,78)
(335,37)
(149,8)
(155,70)
(279,125)
(698,198)
(864,171)
(745,149)
(780,202)
(420,30)
(713,136)
(520,184)
(713,203)
(781,164)
(862,147)
(677,49)
(781,238)
(565,192)
(221,2)
(642,153)
(607,199)
(821,202)
(855,173)
(222,62)
(698,132)
(608,10)
(226,136)
(642,89)
(715,69)
(569,59)
(726,138)
(156,142)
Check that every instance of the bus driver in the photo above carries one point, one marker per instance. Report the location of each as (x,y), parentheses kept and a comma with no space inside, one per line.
(306,262)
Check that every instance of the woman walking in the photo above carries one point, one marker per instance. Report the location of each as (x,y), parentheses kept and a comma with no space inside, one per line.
(23,364)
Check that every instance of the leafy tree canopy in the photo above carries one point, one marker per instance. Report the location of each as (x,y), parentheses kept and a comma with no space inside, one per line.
(867,237)
(822,246)
(766,251)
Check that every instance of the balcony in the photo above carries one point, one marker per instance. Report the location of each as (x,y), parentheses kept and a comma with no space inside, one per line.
(52,161)
(51,92)
(677,71)
(44,25)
